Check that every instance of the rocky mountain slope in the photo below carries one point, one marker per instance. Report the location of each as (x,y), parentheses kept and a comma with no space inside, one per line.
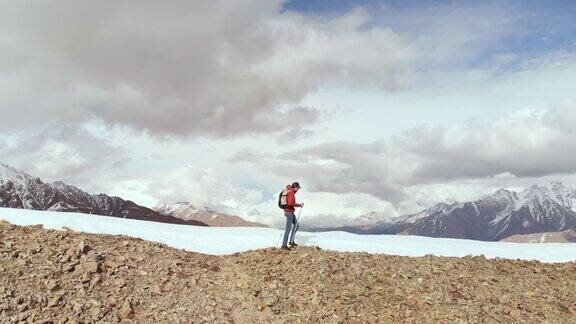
(568,236)
(502,214)
(375,223)
(491,218)
(21,190)
(58,276)
(370,223)
(187,211)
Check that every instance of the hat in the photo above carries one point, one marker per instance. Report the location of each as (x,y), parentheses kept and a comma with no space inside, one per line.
(295,185)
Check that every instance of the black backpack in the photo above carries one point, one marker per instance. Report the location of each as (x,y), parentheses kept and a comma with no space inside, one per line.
(282,201)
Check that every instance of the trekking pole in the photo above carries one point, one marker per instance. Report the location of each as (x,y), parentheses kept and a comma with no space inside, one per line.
(298,220)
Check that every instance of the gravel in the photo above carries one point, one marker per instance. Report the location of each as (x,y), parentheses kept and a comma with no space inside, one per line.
(49,276)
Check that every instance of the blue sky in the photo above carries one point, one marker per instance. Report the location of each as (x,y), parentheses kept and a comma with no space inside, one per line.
(542,26)
(385,106)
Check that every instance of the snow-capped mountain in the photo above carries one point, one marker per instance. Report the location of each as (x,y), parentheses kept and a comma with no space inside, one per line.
(188,212)
(494,217)
(369,223)
(491,218)
(21,190)
(377,223)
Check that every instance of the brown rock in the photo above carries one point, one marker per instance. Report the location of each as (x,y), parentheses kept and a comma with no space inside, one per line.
(120,283)
(264,286)
(21,262)
(69,267)
(77,309)
(126,311)
(86,277)
(56,298)
(456,294)
(52,285)
(92,267)
(168,286)
(94,281)
(96,313)
(82,248)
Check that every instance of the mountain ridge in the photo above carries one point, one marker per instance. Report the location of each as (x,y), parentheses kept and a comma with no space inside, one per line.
(491,217)
(502,214)
(187,211)
(21,190)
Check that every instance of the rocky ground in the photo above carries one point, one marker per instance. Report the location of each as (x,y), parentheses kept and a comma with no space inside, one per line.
(568,236)
(64,276)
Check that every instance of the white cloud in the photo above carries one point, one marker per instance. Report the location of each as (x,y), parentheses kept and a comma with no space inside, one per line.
(532,144)
(319,92)
(453,34)
(247,155)
(203,188)
(322,209)
(418,166)
(207,187)
(215,68)
(66,153)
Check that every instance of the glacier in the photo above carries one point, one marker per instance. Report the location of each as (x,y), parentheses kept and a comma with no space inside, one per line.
(229,240)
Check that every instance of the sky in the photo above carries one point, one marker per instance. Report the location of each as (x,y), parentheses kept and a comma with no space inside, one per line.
(373,106)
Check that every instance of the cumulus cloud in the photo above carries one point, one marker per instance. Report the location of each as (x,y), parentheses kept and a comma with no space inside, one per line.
(453,33)
(203,188)
(348,167)
(224,68)
(529,144)
(562,118)
(328,210)
(294,134)
(213,68)
(66,153)
(402,174)
(403,168)
(209,188)
(246,155)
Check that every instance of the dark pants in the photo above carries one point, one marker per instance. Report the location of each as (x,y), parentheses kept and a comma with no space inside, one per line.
(291,224)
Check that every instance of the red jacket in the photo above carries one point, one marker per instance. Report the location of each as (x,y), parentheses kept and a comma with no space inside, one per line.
(291,200)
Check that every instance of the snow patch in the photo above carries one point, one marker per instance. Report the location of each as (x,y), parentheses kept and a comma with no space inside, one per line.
(220,240)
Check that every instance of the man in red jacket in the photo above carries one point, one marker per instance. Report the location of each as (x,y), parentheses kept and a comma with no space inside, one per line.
(291,221)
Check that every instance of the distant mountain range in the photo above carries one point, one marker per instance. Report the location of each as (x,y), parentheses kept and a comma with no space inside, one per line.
(21,190)
(505,213)
(491,218)
(186,211)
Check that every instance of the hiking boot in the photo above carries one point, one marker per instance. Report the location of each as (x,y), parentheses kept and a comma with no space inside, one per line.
(293,244)
(284,247)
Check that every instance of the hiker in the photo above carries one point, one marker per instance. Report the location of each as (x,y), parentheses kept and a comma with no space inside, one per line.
(288,203)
